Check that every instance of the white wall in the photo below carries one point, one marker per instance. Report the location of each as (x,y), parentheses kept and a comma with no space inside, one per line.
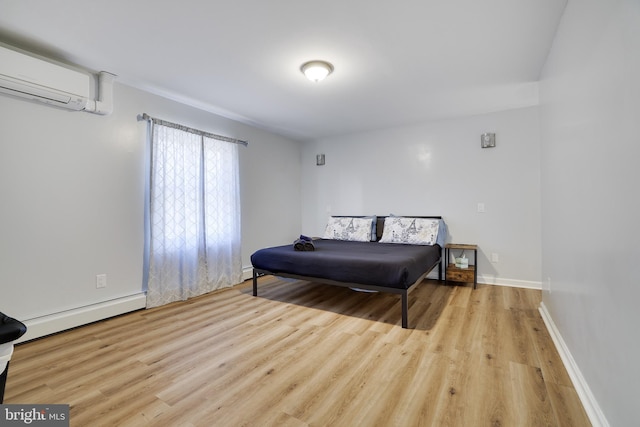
(590,110)
(439,168)
(72,187)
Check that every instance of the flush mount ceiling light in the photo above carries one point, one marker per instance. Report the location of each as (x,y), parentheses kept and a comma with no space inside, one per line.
(316,70)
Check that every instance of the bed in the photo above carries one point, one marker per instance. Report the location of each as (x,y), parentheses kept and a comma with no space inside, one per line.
(377,264)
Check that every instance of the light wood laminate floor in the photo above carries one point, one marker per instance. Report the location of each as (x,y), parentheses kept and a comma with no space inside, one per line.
(305,354)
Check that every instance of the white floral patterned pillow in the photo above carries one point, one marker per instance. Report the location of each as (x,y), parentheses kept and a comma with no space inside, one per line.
(348,228)
(413,231)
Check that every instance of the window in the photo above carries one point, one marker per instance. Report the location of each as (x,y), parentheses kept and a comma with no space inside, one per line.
(194,214)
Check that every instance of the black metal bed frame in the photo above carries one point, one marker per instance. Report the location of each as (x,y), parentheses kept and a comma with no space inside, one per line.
(403,292)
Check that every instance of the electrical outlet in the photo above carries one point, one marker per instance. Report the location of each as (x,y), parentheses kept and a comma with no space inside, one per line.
(101,281)
(481,207)
(495,257)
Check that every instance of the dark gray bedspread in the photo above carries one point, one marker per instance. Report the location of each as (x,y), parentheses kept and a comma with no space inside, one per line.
(367,263)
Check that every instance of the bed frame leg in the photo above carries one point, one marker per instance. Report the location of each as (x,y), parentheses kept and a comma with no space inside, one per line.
(255,283)
(405,310)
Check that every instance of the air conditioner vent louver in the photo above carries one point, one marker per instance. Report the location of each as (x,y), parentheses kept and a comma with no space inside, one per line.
(32,78)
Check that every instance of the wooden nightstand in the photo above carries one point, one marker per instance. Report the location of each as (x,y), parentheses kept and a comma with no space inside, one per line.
(455,274)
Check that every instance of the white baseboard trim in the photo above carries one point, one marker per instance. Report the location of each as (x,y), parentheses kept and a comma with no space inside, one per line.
(591,407)
(514,283)
(57,322)
(492,280)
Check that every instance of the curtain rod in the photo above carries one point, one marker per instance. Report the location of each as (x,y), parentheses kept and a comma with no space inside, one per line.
(145,116)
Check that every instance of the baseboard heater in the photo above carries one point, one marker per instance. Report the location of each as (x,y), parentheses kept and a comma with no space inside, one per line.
(58,322)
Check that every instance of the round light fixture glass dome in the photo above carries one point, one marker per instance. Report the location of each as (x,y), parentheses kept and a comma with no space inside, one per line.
(316,70)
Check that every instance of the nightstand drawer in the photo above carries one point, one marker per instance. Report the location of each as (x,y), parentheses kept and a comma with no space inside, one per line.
(460,275)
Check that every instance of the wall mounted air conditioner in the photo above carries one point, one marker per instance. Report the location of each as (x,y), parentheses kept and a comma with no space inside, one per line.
(29,77)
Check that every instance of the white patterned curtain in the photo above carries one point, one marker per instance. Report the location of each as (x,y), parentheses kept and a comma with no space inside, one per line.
(194,215)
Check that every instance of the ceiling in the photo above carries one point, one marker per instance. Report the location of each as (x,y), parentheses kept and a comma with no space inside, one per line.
(396,63)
